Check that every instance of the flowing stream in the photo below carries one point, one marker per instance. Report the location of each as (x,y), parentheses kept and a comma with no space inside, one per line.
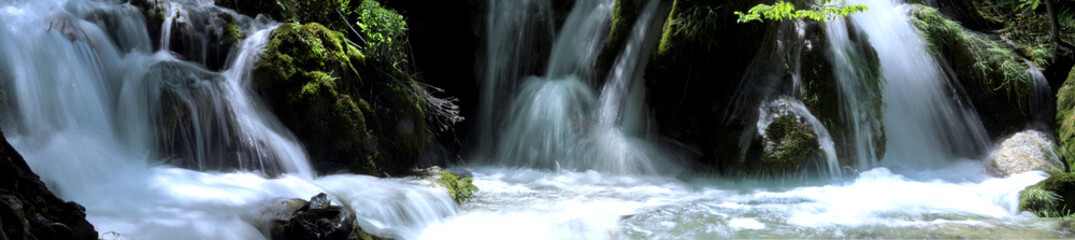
(89,90)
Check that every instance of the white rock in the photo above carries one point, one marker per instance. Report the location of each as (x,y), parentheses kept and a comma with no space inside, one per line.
(1025,151)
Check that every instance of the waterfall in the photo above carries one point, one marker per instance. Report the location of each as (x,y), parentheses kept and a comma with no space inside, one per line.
(514,31)
(557,121)
(924,125)
(104,121)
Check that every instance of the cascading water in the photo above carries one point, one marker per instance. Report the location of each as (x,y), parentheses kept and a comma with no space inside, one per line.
(557,122)
(853,79)
(925,127)
(88,100)
(95,113)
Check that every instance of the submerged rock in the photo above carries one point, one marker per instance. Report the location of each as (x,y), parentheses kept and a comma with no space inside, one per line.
(1026,151)
(1052,197)
(28,210)
(317,219)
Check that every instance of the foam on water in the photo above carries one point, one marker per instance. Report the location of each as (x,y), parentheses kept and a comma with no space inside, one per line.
(530,204)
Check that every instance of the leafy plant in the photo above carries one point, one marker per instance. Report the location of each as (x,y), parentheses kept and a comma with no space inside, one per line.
(826,10)
(383,31)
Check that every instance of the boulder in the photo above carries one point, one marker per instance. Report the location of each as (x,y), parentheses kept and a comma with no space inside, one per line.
(787,140)
(1026,151)
(352,112)
(1052,197)
(28,210)
(317,219)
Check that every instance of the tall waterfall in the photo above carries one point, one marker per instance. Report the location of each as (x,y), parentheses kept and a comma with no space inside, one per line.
(925,126)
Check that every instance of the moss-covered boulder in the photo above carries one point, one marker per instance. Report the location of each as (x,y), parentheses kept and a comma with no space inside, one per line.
(1052,197)
(788,142)
(993,75)
(308,74)
(317,84)
(28,210)
(1065,119)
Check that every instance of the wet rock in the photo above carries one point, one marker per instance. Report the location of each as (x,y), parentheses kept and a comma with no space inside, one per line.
(787,140)
(28,210)
(316,219)
(1026,151)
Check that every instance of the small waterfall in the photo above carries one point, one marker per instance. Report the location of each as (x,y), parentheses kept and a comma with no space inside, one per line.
(853,88)
(558,122)
(514,31)
(924,125)
(1042,107)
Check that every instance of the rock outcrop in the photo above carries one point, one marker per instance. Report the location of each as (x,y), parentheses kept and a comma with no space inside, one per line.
(28,210)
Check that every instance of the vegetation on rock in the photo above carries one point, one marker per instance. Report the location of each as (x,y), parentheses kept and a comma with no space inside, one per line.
(314,79)
(991,72)
(460,189)
(788,143)
(1052,197)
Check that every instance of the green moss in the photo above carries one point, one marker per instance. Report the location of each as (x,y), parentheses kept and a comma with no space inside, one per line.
(231,33)
(791,142)
(306,74)
(459,189)
(1052,197)
(1065,118)
(992,73)
(315,81)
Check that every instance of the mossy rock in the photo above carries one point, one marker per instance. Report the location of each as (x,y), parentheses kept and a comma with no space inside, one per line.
(1052,197)
(1065,120)
(993,75)
(308,75)
(460,189)
(315,80)
(788,142)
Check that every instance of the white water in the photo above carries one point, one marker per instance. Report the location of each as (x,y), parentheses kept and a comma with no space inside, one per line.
(558,122)
(83,105)
(925,127)
(535,204)
(81,109)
